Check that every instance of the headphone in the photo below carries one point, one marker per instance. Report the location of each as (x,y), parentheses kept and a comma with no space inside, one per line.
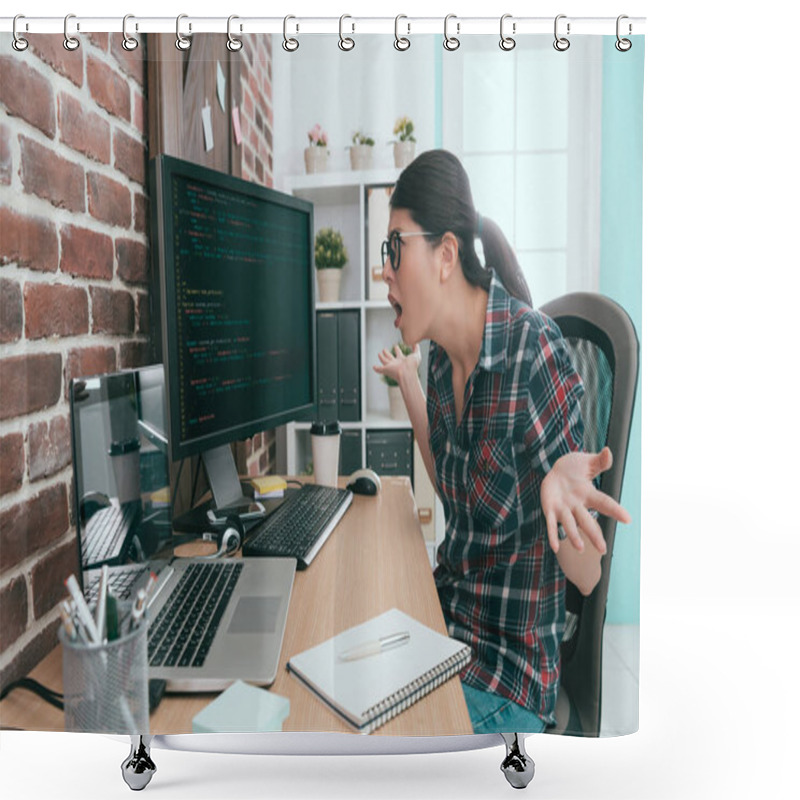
(228,537)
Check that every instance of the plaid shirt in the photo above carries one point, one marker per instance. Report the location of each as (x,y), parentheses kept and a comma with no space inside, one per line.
(499,583)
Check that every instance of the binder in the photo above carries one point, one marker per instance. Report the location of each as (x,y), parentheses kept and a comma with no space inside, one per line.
(338,366)
(369,691)
(349,367)
(327,366)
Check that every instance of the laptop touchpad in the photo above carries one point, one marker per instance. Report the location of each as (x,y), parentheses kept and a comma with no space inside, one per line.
(255,615)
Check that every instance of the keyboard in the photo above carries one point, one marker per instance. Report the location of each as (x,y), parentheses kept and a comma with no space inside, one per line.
(120,580)
(182,633)
(106,533)
(300,525)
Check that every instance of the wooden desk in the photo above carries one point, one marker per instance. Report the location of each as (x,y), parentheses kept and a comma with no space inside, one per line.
(376,559)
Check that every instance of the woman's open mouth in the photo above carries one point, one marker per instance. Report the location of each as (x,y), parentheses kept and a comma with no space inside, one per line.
(398,310)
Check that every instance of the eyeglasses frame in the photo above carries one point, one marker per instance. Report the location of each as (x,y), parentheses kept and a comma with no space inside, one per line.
(386,247)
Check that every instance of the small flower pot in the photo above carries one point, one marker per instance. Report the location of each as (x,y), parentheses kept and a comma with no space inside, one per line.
(328,284)
(361,156)
(397,408)
(316,159)
(403,153)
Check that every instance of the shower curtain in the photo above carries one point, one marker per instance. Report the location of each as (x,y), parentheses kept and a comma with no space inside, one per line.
(549,131)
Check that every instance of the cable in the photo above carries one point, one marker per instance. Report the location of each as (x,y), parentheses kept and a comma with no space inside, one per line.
(48,695)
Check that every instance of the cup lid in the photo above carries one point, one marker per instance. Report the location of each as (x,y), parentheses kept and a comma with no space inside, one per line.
(325,428)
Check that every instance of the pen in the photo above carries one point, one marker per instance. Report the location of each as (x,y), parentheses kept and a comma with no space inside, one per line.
(100,611)
(66,618)
(112,617)
(378,646)
(82,610)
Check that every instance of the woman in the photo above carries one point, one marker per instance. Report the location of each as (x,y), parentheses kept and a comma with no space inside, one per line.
(500,433)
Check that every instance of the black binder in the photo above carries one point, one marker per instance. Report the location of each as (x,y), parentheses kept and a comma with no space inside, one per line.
(338,366)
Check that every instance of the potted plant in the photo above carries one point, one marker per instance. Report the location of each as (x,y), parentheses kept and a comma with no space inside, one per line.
(404,146)
(397,408)
(330,256)
(316,154)
(361,151)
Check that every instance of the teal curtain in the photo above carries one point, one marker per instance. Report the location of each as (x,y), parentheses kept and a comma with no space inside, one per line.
(621,279)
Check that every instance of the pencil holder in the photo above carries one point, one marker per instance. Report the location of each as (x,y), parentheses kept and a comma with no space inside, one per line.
(105,686)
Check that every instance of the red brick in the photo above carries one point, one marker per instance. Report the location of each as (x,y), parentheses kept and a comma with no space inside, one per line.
(86,253)
(32,525)
(88,361)
(49,574)
(133,355)
(6,160)
(55,310)
(139,112)
(51,177)
(29,382)
(143,313)
(10,311)
(99,40)
(83,130)
(50,48)
(132,62)
(49,448)
(28,241)
(27,657)
(132,263)
(13,612)
(129,156)
(12,462)
(109,200)
(108,88)
(141,213)
(112,311)
(27,94)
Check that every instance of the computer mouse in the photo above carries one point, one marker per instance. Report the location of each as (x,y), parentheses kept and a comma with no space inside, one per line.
(364,481)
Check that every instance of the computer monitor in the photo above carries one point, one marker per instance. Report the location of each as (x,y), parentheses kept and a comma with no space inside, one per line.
(235,301)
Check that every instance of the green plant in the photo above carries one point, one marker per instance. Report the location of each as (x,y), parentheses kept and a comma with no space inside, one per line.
(360,138)
(404,130)
(329,249)
(406,351)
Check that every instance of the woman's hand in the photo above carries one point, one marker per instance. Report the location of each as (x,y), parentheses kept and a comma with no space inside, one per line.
(567,494)
(397,366)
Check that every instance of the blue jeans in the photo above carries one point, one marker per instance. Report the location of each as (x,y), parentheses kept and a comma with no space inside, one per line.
(492,713)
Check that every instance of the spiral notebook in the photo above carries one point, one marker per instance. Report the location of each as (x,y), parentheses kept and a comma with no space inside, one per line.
(369,691)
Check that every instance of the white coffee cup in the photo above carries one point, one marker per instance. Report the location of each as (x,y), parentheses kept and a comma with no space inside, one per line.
(325,438)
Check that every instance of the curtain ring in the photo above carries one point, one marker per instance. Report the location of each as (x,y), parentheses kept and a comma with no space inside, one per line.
(507,42)
(561,43)
(401,42)
(623,45)
(345,42)
(181,42)
(289,44)
(128,42)
(233,44)
(70,42)
(451,42)
(19,43)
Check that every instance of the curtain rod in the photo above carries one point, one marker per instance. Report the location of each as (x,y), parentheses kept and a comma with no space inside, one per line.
(299,25)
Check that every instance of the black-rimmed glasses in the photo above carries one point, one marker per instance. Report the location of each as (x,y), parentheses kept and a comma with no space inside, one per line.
(391,247)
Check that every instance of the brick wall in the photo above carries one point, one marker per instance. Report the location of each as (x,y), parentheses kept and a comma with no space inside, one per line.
(73,296)
(255,114)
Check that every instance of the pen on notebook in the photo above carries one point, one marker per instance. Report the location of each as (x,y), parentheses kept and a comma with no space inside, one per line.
(375,647)
(82,610)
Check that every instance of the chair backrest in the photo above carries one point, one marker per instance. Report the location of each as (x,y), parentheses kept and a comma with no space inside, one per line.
(605,351)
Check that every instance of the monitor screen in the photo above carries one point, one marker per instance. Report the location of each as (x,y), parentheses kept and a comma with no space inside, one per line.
(236,284)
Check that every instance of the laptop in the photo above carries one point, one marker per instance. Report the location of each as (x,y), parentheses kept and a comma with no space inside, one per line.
(233,610)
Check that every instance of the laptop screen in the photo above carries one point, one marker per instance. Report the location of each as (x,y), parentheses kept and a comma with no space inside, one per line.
(122,486)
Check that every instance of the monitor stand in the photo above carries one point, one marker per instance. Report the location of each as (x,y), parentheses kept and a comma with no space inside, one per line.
(228,497)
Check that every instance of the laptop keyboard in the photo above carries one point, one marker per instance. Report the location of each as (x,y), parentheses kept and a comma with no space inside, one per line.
(120,581)
(182,633)
(300,525)
(106,531)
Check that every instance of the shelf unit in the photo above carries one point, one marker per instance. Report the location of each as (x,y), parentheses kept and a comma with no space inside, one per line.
(340,202)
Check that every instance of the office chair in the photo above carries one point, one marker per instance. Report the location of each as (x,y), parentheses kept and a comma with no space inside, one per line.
(605,352)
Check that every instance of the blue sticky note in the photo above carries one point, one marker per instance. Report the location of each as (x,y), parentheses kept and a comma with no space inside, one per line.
(242,708)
